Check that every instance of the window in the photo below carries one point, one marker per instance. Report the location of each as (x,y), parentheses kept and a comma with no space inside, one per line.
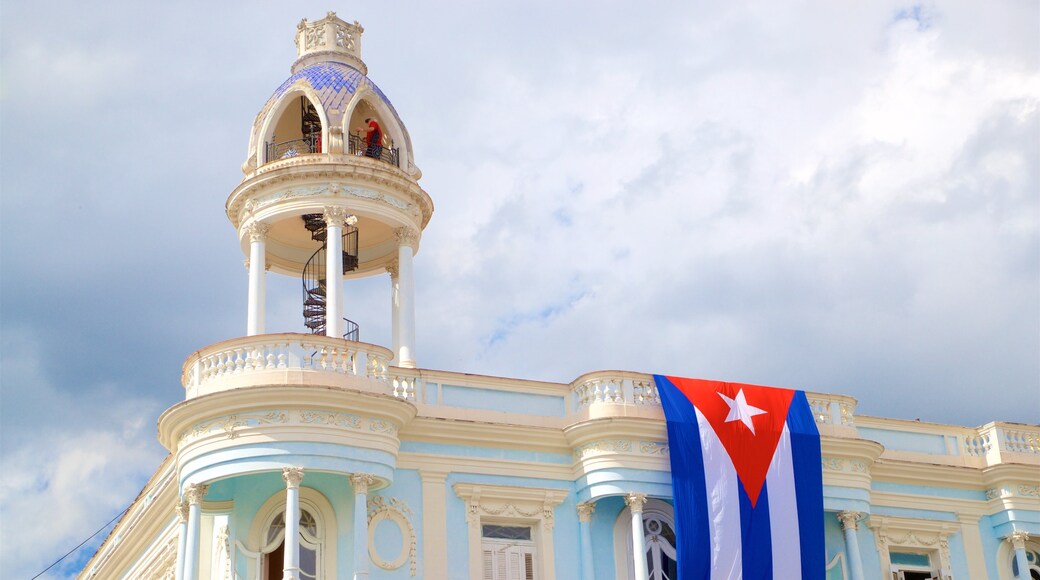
(274,547)
(1032,560)
(912,566)
(508,552)
(658,536)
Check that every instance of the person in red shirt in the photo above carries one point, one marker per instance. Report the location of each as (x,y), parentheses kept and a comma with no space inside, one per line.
(373,139)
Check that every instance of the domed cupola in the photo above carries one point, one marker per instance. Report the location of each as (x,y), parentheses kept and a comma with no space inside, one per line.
(331,188)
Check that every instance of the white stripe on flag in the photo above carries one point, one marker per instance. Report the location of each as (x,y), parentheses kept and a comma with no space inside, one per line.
(720,481)
(783,512)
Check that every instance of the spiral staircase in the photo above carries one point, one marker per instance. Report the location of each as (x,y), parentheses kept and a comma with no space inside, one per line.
(314,284)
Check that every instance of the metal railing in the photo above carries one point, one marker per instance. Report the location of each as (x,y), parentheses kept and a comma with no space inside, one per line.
(357,146)
(292,148)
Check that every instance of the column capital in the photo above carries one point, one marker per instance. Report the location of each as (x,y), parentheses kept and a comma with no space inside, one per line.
(849,519)
(257,231)
(195,492)
(407,237)
(338,216)
(635,502)
(392,268)
(292,476)
(585,510)
(361,481)
(181,509)
(1018,539)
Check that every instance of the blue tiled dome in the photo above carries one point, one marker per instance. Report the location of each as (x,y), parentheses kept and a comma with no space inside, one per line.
(334,82)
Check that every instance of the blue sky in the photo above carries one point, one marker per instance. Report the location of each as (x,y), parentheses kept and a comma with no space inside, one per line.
(834,197)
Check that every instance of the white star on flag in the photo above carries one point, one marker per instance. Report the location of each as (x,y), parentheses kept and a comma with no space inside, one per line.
(739,410)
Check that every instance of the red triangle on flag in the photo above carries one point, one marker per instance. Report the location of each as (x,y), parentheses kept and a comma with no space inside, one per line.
(748,420)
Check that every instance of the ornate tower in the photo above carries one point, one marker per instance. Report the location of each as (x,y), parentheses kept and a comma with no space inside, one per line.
(330,194)
(331,189)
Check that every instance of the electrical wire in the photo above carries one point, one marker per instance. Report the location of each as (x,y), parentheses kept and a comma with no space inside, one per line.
(70,552)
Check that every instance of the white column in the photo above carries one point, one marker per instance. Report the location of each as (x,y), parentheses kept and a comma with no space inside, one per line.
(361,481)
(407,239)
(849,524)
(335,217)
(257,280)
(1018,540)
(585,510)
(182,538)
(395,310)
(193,494)
(635,502)
(291,564)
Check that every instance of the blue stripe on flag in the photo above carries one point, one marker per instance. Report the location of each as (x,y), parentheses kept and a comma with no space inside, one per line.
(808,481)
(690,495)
(756,538)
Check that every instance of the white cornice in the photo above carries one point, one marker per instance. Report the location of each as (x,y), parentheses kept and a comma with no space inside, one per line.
(425,462)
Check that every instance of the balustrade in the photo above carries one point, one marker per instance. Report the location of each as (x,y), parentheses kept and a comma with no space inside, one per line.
(286,352)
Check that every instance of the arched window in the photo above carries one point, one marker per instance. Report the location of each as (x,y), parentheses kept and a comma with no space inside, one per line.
(658,536)
(1032,560)
(274,547)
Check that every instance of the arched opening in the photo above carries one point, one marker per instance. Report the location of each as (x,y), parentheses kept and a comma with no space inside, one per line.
(298,131)
(658,537)
(370,134)
(274,547)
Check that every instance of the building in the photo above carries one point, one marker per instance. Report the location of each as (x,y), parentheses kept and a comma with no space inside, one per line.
(389,470)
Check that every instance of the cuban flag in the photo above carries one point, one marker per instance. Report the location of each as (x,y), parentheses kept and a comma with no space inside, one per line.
(747,481)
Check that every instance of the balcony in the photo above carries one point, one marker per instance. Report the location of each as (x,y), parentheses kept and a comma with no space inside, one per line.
(290,359)
(312,145)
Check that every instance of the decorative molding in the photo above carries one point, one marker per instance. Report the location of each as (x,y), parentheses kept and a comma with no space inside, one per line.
(194,493)
(392,268)
(360,482)
(335,216)
(407,237)
(231,426)
(603,446)
(257,231)
(654,448)
(509,502)
(382,509)
(849,520)
(292,476)
(181,509)
(1018,539)
(635,502)
(891,531)
(844,465)
(347,420)
(585,510)
(1029,490)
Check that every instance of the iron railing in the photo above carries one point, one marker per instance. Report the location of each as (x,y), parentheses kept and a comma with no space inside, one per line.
(292,148)
(314,272)
(357,146)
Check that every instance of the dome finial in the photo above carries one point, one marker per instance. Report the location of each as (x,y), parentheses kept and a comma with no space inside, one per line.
(330,38)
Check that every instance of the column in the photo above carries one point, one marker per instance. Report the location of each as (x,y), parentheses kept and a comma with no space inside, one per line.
(395,311)
(335,218)
(434,526)
(182,538)
(291,564)
(1018,540)
(585,510)
(635,503)
(361,481)
(407,239)
(849,524)
(257,281)
(193,494)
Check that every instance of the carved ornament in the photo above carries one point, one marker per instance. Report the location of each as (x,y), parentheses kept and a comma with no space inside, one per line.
(292,476)
(397,512)
(195,492)
(849,520)
(361,481)
(635,502)
(585,510)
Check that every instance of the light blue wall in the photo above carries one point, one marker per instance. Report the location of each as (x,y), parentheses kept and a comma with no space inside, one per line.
(603,519)
(905,441)
(486,452)
(833,538)
(505,401)
(929,490)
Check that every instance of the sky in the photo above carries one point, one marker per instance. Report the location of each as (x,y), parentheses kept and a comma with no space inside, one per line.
(840,197)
